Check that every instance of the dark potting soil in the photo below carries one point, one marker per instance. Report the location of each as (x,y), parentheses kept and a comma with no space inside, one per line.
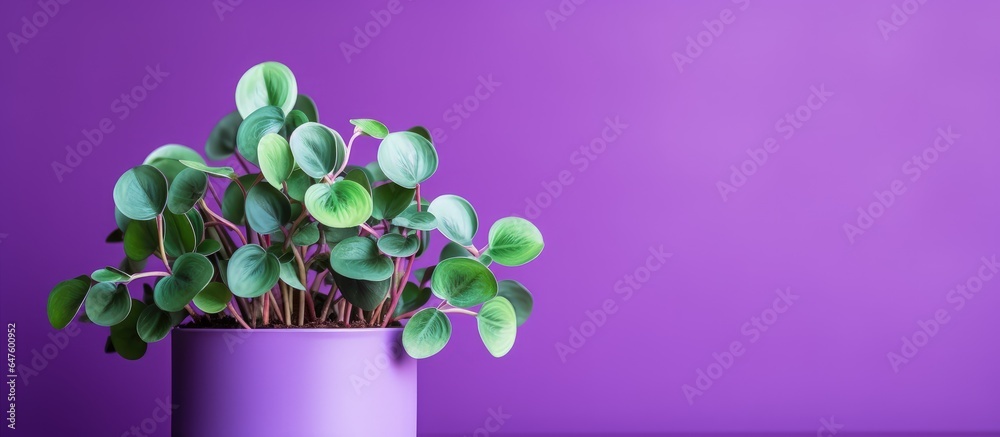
(231,323)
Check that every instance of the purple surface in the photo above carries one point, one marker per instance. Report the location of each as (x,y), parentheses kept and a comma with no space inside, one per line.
(236,382)
(654,184)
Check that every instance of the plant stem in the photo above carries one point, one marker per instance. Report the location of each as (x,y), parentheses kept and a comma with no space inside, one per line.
(275,307)
(267,309)
(328,303)
(459,311)
(220,219)
(163,252)
(369,229)
(236,315)
(147,275)
(194,315)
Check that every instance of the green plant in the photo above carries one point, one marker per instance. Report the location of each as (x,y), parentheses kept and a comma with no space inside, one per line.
(304,222)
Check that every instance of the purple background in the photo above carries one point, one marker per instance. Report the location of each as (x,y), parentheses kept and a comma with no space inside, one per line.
(654,185)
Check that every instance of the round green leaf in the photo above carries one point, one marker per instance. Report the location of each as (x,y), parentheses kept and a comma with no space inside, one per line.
(463,282)
(267,209)
(456,218)
(393,244)
(359,258)
(293,120)
(366,295)
(275,159)
(209,246)
(263,121)
(288,272)
(306,234)
(221,172)
(422,131)
(519,297)
(389,200)
(413,219)
(125,336)
(497,326)
(360,176)
(342,204)
(266,84)
(514,241)
(426,333)
(452,250)
(121,220)
(214,298)
(234,200)
(153,324)
(407,158)
(191,273)
(318,150)
(221,142)
(141,193)
(187,189)
(306,105)
(65,301)
(252,271)
(413,297)
(179,236)
(375,172)
(167,159)
(297,184)
(372,128)
(198,224)
(110,274)
(108,303)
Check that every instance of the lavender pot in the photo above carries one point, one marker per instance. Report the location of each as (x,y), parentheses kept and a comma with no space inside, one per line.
(292,382)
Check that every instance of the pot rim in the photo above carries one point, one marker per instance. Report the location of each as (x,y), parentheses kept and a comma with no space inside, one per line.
(257,330)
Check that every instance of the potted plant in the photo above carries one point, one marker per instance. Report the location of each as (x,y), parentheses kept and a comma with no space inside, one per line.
(290,299)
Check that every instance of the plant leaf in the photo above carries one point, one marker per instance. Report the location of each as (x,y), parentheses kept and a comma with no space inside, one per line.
(252,271)
(366,295)
(519,297)
(413,297)
(153,324)
(110,274)
(66,299)
(234,200)
(187,189)
(213,298)
(297,184)
(220,172)
(167,159)
(267,209)
(389,200)
(209,246)
(407,158)
(396,245)
(266,84)
(463,282)
(108,303)
(497,326)
(178,234)
(191,273)
(342,204)
(317,149)
(372,128)
(305,104)
(141,193)
(413,219)
(221,142)
(125,337)
(275,158)
(514,241)
(289,274)
(306,234)
(359,258)
(263,121)
(456,218)
(426,333)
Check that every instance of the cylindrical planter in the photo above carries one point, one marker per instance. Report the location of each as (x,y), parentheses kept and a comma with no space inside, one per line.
(292,382)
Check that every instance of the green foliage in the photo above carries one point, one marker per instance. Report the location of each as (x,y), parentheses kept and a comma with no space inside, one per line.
(304,235)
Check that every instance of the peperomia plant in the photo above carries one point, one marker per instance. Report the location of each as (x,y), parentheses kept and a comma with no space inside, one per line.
(301,239)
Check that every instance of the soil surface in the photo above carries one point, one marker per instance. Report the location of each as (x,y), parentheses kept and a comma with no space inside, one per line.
(231,323)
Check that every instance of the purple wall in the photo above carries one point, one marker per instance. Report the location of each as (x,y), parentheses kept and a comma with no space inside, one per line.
(867,100)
